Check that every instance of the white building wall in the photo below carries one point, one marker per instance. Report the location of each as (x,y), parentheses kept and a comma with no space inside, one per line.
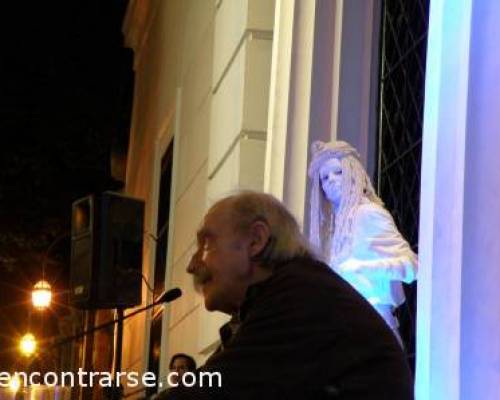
(202,75)
(152,117)
(242,62)
(240,91)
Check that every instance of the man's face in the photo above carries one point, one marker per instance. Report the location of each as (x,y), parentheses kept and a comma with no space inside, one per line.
(221,265)
(330,175)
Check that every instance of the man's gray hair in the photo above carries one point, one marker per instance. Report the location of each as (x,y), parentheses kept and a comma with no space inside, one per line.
(286,241)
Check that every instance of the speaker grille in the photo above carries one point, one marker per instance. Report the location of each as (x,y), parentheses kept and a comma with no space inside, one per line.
(107,240)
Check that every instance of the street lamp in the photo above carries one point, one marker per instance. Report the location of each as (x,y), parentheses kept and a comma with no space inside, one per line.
(41,295)
(27,345)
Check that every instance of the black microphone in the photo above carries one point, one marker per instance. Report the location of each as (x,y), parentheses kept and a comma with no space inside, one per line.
(170,295)
(167,297)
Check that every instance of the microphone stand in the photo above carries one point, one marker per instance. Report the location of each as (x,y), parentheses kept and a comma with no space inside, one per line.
(117,390)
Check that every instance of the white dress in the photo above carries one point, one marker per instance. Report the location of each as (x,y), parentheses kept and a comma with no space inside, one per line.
(379,261)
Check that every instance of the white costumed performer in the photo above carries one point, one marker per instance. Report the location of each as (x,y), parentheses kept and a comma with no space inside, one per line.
(354,232)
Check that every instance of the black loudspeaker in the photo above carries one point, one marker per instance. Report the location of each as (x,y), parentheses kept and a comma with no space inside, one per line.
(106,251)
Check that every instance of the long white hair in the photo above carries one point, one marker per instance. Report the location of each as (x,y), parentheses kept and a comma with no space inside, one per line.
(329,231)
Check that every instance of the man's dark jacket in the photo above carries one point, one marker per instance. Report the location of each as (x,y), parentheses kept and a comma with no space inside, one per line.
(305,333)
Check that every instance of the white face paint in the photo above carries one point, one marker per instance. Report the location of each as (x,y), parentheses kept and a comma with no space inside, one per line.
(330,175)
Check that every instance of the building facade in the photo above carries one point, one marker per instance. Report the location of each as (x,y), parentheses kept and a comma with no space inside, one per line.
(229,94)
(199,128)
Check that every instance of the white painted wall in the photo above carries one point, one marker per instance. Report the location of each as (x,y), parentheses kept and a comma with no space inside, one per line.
(241,75)
(202,75)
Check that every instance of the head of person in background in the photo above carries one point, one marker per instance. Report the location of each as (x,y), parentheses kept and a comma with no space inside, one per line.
(242,238)
(339,184)
(181,363)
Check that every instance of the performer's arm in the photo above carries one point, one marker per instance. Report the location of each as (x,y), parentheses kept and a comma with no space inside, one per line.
(378,248)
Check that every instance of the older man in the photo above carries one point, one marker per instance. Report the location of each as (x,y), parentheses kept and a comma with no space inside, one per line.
(303,332)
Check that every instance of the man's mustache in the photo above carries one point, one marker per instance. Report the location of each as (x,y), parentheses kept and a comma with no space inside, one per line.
(201,276)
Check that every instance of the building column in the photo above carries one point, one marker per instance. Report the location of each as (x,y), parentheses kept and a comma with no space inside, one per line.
(293,120)
(324,81)
(458,316)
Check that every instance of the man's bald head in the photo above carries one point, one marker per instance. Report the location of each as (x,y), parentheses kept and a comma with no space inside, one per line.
(247,207)
(242,237)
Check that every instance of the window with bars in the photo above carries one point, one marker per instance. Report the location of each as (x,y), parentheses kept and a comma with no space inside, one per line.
(402,81)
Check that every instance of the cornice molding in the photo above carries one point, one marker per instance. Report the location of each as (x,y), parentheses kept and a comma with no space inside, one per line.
(136,25)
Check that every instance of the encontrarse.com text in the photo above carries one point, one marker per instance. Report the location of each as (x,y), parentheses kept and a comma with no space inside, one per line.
(106,379)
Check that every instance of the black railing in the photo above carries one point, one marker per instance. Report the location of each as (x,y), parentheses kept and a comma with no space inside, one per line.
(401,104)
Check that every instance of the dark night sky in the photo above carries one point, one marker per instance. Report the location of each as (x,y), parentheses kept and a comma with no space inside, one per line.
(65,95)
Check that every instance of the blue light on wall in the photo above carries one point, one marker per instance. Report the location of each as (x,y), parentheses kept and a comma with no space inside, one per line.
(438,344)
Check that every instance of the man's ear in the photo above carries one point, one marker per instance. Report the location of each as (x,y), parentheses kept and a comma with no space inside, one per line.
(259,238)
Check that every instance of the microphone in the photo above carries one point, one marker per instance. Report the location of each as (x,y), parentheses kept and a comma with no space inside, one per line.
(169,295)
